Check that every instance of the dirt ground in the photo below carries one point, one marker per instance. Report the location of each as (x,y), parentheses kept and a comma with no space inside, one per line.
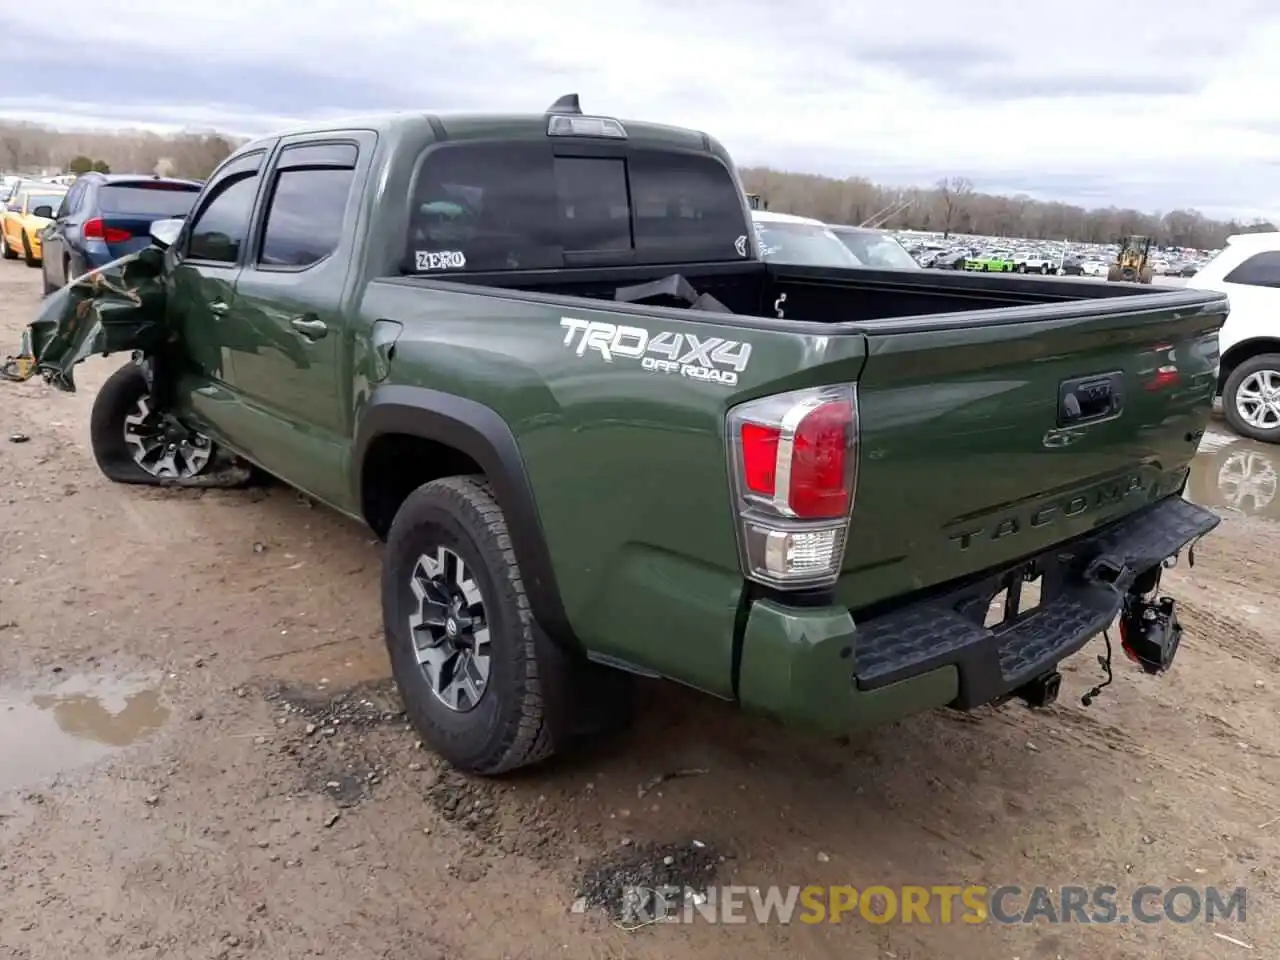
(200,755)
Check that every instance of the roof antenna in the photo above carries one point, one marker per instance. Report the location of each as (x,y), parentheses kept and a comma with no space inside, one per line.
(567,104)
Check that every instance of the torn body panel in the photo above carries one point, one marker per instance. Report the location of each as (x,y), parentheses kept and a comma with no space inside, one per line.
(117,308)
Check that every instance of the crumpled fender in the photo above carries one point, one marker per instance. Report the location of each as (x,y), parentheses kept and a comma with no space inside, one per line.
(118,307)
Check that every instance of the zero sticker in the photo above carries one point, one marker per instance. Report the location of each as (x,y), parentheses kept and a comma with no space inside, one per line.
(439,260)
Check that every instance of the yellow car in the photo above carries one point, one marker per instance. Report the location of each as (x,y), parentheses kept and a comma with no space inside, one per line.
(25,217)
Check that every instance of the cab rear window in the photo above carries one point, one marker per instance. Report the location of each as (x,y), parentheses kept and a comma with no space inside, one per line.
(526,206)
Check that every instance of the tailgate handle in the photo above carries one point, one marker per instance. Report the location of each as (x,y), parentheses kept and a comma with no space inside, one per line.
(1089,399)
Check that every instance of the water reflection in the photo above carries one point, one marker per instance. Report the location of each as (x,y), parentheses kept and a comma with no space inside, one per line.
(78,722)
(1236,474)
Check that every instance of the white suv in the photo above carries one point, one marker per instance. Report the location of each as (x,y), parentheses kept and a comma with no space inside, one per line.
(1248,272)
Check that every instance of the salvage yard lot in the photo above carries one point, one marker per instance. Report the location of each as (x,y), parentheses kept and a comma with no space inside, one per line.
(200,756)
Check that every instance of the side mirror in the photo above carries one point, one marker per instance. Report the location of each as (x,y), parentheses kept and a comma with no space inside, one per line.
(164,233)
(44,210)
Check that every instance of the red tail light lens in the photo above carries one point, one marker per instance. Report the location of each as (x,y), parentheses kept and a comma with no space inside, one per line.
(795,458)
(820,486)
(760,458)
(95,229)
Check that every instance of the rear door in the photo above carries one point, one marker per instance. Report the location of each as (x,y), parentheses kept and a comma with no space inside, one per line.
(290,306)
(208,258)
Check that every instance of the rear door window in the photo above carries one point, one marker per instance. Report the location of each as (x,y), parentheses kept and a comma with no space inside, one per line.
(522,206)
(161,200)
(304,221)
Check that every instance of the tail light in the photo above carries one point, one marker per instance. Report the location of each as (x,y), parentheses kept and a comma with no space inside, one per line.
(1165,376)
(95,229)
(794,458)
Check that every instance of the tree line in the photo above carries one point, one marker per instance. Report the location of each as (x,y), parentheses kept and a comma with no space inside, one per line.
(954,206)
(30,147)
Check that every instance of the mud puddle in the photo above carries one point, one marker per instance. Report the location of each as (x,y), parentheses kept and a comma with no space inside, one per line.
(1236,474)
(77,722)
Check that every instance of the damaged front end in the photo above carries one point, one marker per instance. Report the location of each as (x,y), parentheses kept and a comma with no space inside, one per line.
(116,308)
(135,433)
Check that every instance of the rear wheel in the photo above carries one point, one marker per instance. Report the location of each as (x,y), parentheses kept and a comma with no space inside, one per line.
(483,686)
(134,443)
(9,253)
(477,684)
(1251,398)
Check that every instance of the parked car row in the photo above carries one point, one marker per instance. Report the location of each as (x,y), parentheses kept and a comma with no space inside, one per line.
(70,229)
(999,254)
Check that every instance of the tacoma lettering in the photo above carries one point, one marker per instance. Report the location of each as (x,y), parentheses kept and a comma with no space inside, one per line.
(1042,516)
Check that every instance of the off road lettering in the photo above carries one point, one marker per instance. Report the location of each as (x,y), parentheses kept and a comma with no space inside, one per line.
(710,359)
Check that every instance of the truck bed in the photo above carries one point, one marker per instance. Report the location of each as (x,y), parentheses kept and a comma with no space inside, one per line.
(968,460)
(815,294)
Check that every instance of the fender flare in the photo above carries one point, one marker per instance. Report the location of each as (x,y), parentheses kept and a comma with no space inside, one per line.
(480,433)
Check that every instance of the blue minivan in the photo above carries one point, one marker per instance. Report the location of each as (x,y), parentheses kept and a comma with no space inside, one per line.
(105,216)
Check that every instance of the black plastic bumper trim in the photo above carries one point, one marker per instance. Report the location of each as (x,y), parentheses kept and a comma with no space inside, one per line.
(1083,583)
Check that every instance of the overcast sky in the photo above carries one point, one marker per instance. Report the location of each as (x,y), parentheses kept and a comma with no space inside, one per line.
(1157,105)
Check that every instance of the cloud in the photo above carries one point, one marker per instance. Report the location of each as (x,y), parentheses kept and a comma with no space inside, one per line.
(1079,102)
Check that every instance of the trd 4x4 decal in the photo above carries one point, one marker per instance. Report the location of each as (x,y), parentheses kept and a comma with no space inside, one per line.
(712,359)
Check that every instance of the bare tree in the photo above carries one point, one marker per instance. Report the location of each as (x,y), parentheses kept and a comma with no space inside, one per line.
(954,194)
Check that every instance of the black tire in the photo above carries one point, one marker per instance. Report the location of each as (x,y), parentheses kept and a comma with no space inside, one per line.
(8,253)
(117,399)
(520,716)
(31,259)
(1044,269)
(1230,406)
(1114,273)
(1146,275)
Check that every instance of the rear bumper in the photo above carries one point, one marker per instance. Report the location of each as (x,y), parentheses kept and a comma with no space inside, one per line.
(821,668)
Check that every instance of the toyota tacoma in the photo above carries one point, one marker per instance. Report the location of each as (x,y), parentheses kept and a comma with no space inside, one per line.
(542,358)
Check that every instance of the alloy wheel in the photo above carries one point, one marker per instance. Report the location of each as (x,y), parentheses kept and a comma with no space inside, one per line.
(450,629)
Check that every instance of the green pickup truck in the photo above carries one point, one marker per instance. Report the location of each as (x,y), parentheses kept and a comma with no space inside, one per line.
(540,356)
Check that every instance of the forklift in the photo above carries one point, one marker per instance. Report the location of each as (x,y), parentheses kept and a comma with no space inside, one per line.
(1131,262)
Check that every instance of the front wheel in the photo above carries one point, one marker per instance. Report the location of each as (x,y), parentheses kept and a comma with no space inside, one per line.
(1251,398)
(31,259)
(135,443)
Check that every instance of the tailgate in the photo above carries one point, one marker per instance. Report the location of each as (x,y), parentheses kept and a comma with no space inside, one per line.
(989,437)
